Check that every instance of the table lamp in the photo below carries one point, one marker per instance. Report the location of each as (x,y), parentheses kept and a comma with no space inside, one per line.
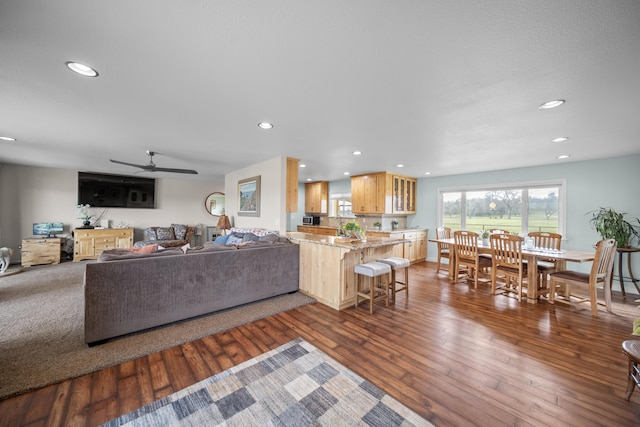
(223,224)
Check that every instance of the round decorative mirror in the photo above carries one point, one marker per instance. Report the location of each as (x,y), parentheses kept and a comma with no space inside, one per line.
(214,203)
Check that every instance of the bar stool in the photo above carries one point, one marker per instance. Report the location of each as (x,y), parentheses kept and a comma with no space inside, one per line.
(631,348)
(397,263)
(376,290)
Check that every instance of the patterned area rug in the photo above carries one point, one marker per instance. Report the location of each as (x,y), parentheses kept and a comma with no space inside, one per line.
(293,385)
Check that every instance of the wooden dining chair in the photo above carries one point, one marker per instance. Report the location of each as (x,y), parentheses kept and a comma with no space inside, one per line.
(507,264)
(443,249)
(600,275)
(466,254)
(545,240)
(498,231)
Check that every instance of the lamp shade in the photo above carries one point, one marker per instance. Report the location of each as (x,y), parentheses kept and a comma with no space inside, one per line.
(223,223)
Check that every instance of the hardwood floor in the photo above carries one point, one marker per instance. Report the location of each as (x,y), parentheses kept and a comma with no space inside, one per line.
(455,355)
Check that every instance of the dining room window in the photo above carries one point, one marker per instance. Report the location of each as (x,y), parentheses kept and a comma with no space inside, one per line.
(517,208)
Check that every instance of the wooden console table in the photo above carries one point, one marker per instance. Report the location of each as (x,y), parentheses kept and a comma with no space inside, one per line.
(89,243)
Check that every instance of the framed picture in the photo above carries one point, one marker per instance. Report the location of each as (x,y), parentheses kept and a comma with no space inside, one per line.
(249,196)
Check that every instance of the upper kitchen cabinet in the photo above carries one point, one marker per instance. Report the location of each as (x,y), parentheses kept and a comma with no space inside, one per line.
(371,193)
(316,197)
(383,193)
(404,194)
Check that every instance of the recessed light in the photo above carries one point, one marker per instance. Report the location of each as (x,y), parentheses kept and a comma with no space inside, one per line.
(357,153)
(347,173)
(560,139)
(302,165)
(400,166)
(309,179)
(551,104)
(7,138)
(427,173)
(82,69)
(265,125)
(563,156)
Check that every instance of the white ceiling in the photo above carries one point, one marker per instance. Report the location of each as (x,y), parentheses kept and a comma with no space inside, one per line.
(440,86)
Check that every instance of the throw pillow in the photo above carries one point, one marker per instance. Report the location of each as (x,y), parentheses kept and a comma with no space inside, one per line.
(234,238)
(221,240)
(148,249)
(249,237)
(165,233)
(150,233)
(180,231)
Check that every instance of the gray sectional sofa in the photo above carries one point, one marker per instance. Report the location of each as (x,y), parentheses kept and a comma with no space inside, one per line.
(127,292)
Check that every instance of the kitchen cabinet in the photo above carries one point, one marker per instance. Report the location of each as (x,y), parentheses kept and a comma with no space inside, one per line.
(404,194)
(315,229)
(371,193)
(293,166)
(316,197)
(415,249)
(383,193)
(89,243)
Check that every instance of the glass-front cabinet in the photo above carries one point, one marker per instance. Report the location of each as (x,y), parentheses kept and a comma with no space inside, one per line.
(404,194)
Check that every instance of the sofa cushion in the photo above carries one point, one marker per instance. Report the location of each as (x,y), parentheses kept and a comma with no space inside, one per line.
(165,233)
(260,232)
(180,231)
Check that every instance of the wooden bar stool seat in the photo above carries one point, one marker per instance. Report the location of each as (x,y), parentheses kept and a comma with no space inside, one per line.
(631,348)
(376,290)
(397,263)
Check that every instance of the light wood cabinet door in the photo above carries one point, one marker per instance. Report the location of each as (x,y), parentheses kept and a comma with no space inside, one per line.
(369,194)
(316,197)
(90,243)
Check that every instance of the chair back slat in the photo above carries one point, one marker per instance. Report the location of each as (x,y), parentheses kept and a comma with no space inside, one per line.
(443,233)
(506,250)
(603,260)
(466,244)
(546,240)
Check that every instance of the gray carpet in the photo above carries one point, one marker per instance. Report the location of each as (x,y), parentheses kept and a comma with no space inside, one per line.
(42,330)
(293,385)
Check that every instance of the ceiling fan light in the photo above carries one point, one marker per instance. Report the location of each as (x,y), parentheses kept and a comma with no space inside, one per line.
(81,69)
(551,104)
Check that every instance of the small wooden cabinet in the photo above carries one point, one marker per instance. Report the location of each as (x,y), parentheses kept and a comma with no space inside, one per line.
(316,197)
(40,251)
(89,243)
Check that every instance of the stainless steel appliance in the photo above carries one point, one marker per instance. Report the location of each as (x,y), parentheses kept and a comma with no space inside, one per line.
(310,220)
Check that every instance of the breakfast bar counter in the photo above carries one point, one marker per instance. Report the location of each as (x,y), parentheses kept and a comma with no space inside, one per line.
(327,262)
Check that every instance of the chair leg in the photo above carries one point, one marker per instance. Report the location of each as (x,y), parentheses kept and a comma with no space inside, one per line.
(372,287)
(392,286)
(552,291)
(406,282)
(631,385)
(594,302)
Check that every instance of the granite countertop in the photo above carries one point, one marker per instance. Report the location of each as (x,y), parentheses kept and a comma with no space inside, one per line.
(373,229)
(371,242)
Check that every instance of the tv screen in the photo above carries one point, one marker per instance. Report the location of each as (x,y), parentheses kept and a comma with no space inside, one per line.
(49,229)
(115,191)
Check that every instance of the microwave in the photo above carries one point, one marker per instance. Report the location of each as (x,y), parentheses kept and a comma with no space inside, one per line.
(310,220)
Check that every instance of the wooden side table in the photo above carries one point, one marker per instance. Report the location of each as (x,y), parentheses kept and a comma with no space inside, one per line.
(621,252)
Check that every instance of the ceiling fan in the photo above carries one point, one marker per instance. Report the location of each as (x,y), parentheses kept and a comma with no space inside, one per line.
(151,167)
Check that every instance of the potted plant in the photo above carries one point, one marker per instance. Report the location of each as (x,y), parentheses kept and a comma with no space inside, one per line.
(485,237)
(351,229)
(613,225)
(394,224)
(378,225)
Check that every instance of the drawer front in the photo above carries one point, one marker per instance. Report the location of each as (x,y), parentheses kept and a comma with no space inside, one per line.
(104,243)
(411,236)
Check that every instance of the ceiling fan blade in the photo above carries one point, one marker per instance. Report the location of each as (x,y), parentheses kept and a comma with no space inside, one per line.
(189,171)
(128,164)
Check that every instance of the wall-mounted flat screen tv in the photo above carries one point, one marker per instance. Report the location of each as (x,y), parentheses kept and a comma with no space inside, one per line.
(115,191)
(48,229)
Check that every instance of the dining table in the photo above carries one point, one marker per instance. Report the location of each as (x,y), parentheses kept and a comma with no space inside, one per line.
(532,256)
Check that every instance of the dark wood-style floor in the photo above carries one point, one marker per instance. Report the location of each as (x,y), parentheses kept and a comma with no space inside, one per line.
(455,355)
